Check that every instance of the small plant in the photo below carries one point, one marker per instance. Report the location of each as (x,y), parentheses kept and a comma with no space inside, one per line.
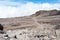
(57,27)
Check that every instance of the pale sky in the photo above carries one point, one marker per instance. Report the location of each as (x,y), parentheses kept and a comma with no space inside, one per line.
(18,8)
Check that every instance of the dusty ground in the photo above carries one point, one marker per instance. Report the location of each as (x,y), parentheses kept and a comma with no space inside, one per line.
(43,25)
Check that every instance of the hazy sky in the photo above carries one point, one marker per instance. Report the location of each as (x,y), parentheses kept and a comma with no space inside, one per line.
(16,8)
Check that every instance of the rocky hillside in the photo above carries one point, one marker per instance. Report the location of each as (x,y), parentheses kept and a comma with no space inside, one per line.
(43,25)
(40,17)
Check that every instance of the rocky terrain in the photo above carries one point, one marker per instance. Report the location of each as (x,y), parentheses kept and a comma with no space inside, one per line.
(43,25)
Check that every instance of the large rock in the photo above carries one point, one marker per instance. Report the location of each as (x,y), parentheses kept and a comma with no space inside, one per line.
(1,27)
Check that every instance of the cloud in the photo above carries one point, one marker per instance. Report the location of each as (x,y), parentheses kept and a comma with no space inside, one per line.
(8,3)
(26,9)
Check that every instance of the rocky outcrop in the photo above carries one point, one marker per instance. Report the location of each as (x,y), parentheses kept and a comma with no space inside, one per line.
(43,13)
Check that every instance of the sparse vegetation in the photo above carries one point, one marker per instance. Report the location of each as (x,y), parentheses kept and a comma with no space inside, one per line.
(57,27)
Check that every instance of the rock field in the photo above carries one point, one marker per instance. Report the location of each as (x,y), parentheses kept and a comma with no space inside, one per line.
(43,25)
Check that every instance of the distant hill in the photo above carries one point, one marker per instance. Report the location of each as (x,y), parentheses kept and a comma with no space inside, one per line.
(47,13)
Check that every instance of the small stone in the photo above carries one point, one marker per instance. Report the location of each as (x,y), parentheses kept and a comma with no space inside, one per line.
(15,37)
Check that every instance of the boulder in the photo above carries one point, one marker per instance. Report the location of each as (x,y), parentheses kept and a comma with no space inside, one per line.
(1,27)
